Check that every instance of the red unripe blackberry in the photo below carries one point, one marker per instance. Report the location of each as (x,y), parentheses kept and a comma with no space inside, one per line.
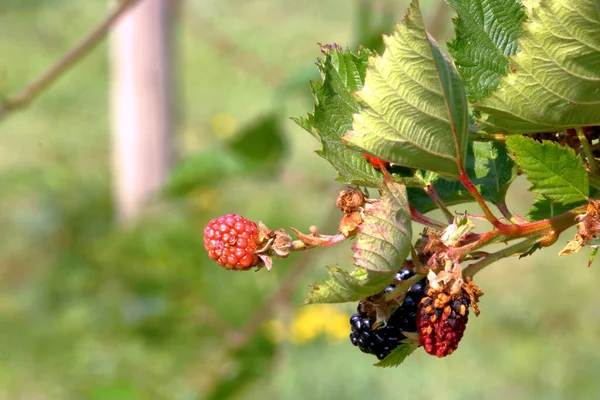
(382,340)
(231,241)
(442,320)
(377,163)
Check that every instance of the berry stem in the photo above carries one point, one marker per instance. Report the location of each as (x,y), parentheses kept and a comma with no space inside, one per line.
(425,220)
(588,151)
(430,190)
(520,247)
(314,240)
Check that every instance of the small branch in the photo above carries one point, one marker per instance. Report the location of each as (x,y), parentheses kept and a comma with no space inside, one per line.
(88,43)
(425,220)
(464,178)
(521,247)
(437,200)
(588,151)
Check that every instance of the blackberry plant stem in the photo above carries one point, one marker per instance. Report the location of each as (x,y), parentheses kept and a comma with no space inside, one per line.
(520,247)
(425,220)
(471,188)
(430,190)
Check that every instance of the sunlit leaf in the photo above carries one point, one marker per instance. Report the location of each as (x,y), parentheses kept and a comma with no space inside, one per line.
(556,78)
(415,112)
(343,73)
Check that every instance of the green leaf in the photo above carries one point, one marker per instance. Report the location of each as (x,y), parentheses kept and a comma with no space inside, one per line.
(491,169)
(415,111)
(343,73)
(399,354)
(592,256)
(382,244)
(487,164)
(201,170)
(486,34)
(556,79)
(343,286)
(261,144)
(544,208)
(555,172)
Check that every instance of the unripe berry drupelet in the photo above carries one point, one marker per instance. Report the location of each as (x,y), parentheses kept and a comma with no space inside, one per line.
(231,241)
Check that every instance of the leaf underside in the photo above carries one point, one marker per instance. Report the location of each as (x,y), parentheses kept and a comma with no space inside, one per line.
(343,73)
(556,79)
(415,108)
(382,244)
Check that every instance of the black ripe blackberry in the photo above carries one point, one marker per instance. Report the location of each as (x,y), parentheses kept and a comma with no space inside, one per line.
(384,339)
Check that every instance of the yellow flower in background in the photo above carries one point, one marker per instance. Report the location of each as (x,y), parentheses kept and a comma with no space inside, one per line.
(223,126)
(309,323)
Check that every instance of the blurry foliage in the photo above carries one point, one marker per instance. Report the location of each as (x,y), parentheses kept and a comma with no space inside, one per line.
(90,310)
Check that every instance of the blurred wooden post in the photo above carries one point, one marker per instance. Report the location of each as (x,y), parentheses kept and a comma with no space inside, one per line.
(141,102)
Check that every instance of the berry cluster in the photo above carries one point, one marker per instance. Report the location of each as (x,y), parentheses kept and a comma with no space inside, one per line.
(380,341)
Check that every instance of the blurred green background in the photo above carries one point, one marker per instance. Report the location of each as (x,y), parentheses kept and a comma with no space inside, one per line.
(90,310)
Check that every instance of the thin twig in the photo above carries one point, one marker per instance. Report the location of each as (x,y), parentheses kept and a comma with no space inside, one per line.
(23,98)
(425,220)
(520,247)
(437,200)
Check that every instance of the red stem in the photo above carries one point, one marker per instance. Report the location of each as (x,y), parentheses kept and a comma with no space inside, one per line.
(471,188)
(425,220)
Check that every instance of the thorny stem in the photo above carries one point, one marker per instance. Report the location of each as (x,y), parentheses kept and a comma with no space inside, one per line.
(588,151)
(430,190)
(425,220)
(521,247)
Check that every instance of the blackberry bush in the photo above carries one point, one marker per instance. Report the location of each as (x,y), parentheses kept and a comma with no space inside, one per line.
(455,138)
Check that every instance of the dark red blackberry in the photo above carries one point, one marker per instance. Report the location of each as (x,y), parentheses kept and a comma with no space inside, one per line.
(442,321)
(444,310)
(382,340)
